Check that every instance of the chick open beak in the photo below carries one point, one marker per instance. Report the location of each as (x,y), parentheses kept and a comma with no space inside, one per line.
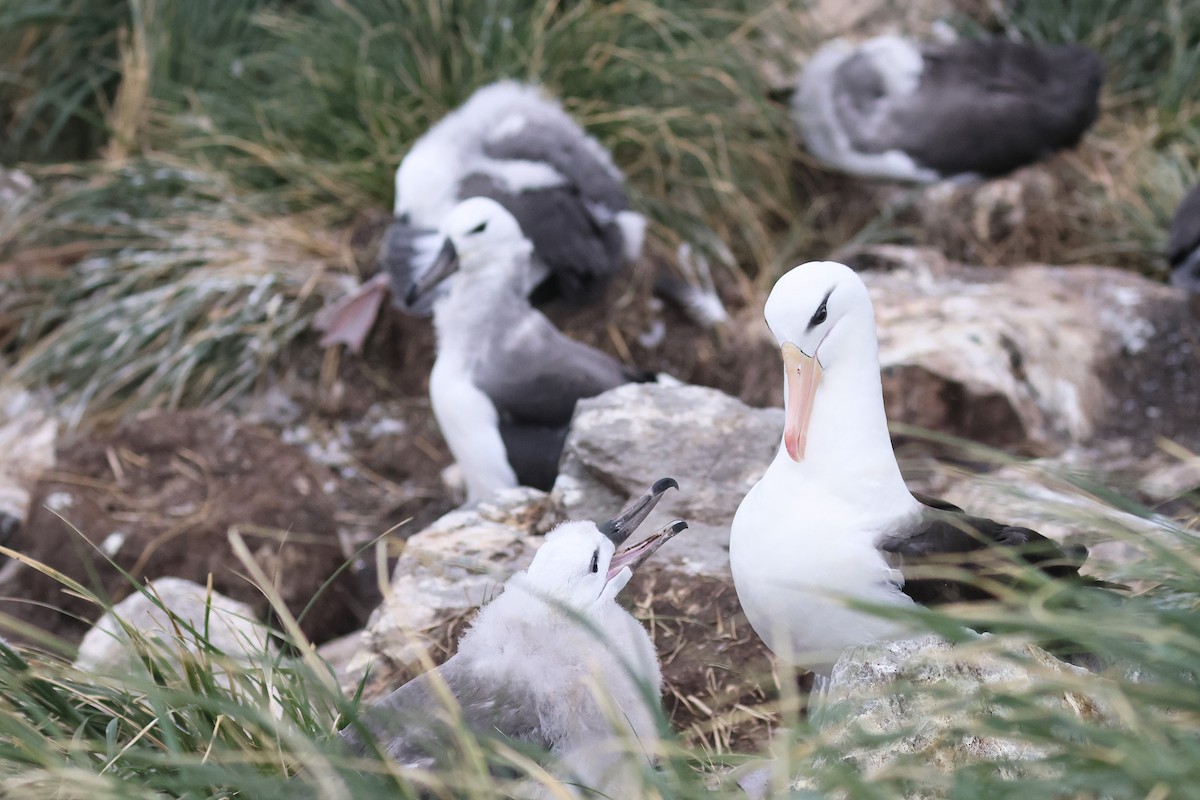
(633,557)
(619,527)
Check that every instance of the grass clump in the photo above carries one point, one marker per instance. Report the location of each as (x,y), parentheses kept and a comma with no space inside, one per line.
(177,291)
(66,61)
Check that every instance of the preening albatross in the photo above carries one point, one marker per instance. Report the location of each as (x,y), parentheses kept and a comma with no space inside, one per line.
(892,107)
(514,144)
(553,662)
(832,518)
(505,381)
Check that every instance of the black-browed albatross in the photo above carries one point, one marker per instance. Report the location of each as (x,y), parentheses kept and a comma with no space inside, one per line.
(505,381)
(513,143)
(553,662)
(832,518)
(892,107)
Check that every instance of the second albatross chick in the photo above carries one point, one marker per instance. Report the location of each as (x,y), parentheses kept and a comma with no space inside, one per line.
(832,519)
(505,381)
(515,144)
(892,107)
(553,663)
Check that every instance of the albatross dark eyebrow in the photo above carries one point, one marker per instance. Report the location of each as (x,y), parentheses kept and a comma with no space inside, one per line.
(596,560)
(821,313)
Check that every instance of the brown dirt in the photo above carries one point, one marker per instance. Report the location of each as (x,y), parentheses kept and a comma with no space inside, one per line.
(718,683)
(159,496)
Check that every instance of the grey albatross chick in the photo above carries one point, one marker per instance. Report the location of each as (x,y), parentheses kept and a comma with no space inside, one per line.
(832,518)
(505,381)
(894,108)
(553,664)
(514,144)
(1183,245)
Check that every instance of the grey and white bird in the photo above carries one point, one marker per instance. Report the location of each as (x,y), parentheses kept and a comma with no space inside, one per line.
(832,519)
(1183,245)
(553,663)
(514,144)
(892,107)
(505,381)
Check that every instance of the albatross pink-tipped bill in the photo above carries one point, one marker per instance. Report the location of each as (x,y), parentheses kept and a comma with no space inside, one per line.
(803,376)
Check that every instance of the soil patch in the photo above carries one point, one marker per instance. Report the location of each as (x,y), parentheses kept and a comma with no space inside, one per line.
(158,497)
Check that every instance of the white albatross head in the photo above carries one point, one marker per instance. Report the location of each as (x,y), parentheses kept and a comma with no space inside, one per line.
(479,236)
(815,312)
(578,564)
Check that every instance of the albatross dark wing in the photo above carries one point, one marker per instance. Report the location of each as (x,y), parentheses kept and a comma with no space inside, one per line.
(571,224)
(982,106)
(942,543)
(539,375)
(536,374)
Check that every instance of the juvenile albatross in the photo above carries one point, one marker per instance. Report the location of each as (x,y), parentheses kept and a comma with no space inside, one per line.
(553,663)
(512,143)
(894,108)
(505,381)
(832,518)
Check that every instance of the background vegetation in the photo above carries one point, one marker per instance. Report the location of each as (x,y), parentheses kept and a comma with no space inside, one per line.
(266,131)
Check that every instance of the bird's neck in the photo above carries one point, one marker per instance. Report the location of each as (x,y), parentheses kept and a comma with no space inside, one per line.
(481,301)
(849,451)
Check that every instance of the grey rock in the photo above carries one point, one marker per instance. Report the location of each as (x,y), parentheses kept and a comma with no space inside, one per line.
(713,444)
(1034,357)
(16,189)
(445,572)
(228,625)
(28,434)
(918,697)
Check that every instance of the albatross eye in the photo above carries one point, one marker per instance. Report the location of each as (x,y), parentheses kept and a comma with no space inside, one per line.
(596,560)
(821,315)
(478,228)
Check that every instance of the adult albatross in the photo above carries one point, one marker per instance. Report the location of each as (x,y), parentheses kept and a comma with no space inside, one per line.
(512,143)
(832,519)
(895,108)
(553,662)
(505,381)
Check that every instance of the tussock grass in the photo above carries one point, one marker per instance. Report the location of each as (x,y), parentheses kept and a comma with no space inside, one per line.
(65,61)
(177,292)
